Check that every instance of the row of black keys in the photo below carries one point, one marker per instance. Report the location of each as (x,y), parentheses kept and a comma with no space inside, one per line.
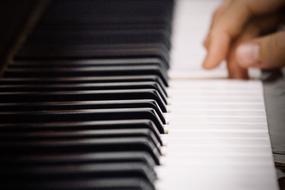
(54,123)
(82,106)
(102,29)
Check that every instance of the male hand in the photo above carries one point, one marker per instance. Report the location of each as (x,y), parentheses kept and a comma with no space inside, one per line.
(236,33)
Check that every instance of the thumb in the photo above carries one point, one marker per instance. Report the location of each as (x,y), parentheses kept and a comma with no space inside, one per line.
(266,52)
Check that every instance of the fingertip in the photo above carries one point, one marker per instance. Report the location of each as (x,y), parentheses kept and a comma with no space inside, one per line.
(247,54)
(210,59)
(217,50)
(208,64)
(235,71)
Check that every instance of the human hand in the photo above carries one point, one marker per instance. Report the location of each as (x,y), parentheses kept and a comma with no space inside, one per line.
(235,36)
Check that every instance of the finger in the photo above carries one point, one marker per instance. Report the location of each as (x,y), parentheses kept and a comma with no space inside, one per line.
(236,71)
(223,33)
(225,30)
(251,31)
(265,53)
(217,51)
(217,13)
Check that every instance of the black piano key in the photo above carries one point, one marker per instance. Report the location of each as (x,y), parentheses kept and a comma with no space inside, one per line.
(75,172)
(60,38)
(79,80)
(82,86)
(77,105)
(90,51)
(82,115)
(87,71)
(80,135)
(118,183)
(11,97)
(74,158)
(83,125)
(81,146)
(124,10)
(160,28)
(88,63)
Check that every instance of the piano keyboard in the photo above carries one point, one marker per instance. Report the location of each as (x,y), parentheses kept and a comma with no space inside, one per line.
(88,104)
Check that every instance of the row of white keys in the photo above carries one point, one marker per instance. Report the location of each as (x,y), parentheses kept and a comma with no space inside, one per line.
(218,137)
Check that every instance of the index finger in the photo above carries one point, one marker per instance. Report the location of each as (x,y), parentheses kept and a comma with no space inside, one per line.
(225,29)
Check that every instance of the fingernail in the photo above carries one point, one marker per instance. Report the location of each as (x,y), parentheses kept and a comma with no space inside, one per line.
(247,54)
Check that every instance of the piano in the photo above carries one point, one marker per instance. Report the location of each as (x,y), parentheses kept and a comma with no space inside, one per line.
(100,94)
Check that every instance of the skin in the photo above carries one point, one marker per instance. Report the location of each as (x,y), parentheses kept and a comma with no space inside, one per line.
(239,23)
